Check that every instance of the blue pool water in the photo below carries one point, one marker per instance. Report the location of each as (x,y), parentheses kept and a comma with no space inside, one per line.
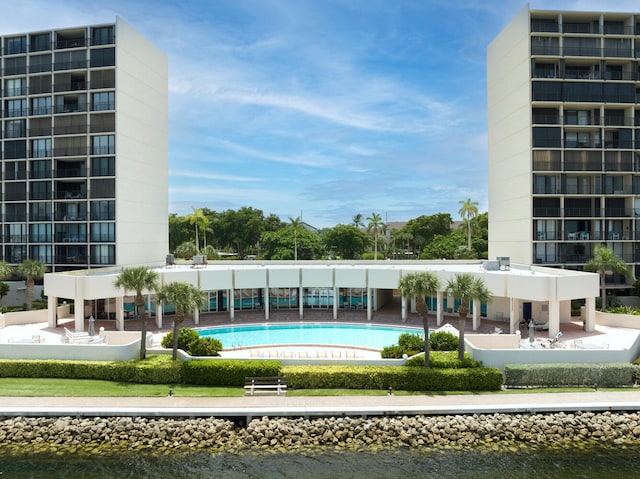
(331,334)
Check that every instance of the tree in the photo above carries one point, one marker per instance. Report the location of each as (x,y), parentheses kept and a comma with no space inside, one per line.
(186,250)
(357,220)
(419,285)
(374,227)
(347,241)
(424,228)
(241,229)
(6,271)
(605,261)
(31,269)
(468,210)
(197,218)
(179,231)
(185,297)
(295,224)
(139,279)
(280,245)
(466,288)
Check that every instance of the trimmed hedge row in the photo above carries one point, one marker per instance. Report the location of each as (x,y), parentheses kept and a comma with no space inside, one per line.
(402,378)
(227,372)
(557,375)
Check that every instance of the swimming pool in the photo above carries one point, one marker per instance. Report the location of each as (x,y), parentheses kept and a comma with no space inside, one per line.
(330,334)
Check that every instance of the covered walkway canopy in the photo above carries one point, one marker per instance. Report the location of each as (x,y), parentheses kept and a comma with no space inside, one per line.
(518,291)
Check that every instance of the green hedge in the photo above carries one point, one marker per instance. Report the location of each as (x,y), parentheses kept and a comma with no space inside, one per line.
(554,375)
(156,369)
(444,360)
(402,378)
(227,372)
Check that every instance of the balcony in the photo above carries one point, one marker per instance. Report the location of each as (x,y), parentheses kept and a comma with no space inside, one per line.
(70,151)
(71,107)
(71,172)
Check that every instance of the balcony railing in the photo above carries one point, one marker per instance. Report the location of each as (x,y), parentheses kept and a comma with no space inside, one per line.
(70,172)
(70,151)
(71,43)
(71,107)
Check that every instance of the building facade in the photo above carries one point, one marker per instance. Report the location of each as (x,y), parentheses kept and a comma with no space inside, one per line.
(84,147)
(564,138)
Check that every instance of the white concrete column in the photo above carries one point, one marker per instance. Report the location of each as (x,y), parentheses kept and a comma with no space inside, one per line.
(159,314)
(231,304)
(301,303)
(52,311)
(196,316)
(590,314)
(119,313)
(514,316)
(369,304)
(476,314)
(403,309)
(554,317)
(79,313)
(266,304)
(439,308)
(336,302)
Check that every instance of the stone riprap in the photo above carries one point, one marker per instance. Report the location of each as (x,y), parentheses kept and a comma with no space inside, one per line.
(291,433)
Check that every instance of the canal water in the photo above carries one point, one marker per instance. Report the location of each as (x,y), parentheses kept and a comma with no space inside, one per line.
(511,462)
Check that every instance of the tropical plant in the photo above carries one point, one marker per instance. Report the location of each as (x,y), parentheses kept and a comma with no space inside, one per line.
(197,218)
(375,227)
(6,271)
(186,250)
(419,285)
(31,270)
(357,220)
(346,240)
(606,261)
(468,210)
(185,337)
(466,288)
(185,297)
(295,224)
(139,279)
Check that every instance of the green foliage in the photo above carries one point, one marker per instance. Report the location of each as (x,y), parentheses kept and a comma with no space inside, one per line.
(210,252)
(383,377)
(205,347)
(372,256)
(443,341)
(408,343)
(281,244)
(227,372)
(443,360)
(185,337)
(624,310)
(346,241)
(552,375)
(186,250)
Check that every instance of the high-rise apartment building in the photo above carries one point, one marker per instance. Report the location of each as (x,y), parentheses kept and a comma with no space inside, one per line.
(84,147)
(564,138)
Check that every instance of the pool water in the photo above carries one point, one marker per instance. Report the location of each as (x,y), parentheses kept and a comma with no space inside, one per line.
(330,334)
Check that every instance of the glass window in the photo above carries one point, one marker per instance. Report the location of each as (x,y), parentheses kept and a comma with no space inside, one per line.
(41,105)
(103,166)
(41,253)
(103,57)
(15,170)
(41,169)
(70,60)
(15,149)
(103,210)
(40,42)
(15,45)
(41,148)
(15,128)
(103,145)
(15,233)
(102,36)
(40,232)
(40,63)
(15,253)
(103,232)
(105,188)
(13,108)
(15,191)
(103,254)
(16,212)
(40,211)
(105,100)
(15,87)
(40,190)
(15,65)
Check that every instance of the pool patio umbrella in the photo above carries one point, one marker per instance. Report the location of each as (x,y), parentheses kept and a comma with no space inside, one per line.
(92,327)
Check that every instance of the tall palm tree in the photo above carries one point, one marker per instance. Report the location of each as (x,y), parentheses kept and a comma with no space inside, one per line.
(357,220)
(295,224)
(420,285)
(185,297)
(466,288)
(31,269)
(468,210)
(374,227)
(197,218)
(605,261)
(139,279)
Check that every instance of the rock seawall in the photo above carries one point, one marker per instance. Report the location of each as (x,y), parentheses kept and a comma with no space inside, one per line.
(165,434)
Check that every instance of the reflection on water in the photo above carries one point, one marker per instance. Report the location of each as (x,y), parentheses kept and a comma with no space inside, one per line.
(477,463)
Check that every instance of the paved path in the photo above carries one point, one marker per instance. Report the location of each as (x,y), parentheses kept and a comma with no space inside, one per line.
(627,400)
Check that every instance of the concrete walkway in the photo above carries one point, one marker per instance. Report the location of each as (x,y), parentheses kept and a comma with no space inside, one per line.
(248,407)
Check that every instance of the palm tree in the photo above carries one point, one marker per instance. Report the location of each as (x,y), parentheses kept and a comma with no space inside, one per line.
(6,271)
(605,261)
(357,220)
(375,226)
(466,288)
(197,218)
(295,224)
(31,269)
(468,210)
(420,285)
(185,297)
(138,279)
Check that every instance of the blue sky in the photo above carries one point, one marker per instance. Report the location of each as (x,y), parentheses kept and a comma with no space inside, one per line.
(319,108)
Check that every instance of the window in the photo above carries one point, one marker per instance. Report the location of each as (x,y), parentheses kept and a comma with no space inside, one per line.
(15,45)
(40,233)
(15,253)
(41,105)
(103,145)
(103,188)
(15,170)
(103,166)
(41,253)
(16,212)
(15,128)
(15,191)
(545,46)
(103,57)
(546,137)
(71,232)
(40,42)
(40,211)
(13,108)
(103,101)
(40,63)
(15,65)
(15,149)
(40,190)
(103,254)
(70,60)
(102,36)
(15,233)
(103,210)
(40,169)
(15,87)
(41,148)
(103,232)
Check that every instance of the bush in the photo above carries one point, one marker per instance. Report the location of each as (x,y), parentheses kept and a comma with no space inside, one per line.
(443,341)
(444,360)
(205,347)
(408,343)
(557,375)
(384,377)
(185,337)
(227,372)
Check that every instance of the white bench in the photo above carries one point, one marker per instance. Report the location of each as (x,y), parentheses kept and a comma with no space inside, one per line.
(265,385)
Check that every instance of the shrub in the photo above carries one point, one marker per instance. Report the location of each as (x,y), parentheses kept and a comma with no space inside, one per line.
(443,341)
(443,360)
(553,375)
(227,372)
(408,343)
(205,347)
(185,337)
